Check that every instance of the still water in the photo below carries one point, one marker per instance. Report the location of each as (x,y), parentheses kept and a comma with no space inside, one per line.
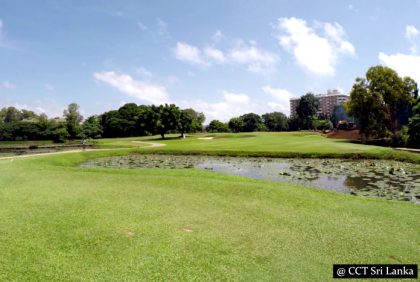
(372,178)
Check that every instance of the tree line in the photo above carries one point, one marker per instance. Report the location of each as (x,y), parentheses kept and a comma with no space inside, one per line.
(129,120)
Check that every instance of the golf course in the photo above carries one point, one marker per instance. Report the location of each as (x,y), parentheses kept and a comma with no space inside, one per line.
(63,222)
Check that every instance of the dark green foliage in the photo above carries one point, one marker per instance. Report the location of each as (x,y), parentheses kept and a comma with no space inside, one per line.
(92,128)
(73,120)
(185,123)
(251,122)
(414,126)
(382,103)
(217,126)
(307,109)
(275,121)
(236,124)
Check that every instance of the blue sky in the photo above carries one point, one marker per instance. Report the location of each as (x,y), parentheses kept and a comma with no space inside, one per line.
(225,58)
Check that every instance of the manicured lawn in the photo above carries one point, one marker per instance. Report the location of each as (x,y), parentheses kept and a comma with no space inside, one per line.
(63,223)
(283,144)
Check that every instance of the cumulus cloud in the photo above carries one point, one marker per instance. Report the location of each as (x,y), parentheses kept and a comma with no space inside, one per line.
(251,56)
(256,59)
(8,85)
(146,91)
(317,53)
(405,65)
(231,105)
(282,99)
(189,53)
(214,54)
(235,98)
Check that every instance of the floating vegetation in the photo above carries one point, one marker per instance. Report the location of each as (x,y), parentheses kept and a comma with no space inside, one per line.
(373,178)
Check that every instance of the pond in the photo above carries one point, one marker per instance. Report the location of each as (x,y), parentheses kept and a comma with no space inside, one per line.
(373,178)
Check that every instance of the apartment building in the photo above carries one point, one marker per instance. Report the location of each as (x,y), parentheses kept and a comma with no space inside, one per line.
(327,102)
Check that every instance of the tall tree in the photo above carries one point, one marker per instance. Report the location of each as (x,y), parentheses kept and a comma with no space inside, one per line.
(236,124)
(73,120)
(251,122)
(92,128)
(275,121)
(414,126)
(217,126)
(306,109)
(197,120)
(166,118)
(185,123)
(381,102)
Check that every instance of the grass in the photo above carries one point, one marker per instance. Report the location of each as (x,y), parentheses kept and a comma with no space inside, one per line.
(285,144)
(63,223)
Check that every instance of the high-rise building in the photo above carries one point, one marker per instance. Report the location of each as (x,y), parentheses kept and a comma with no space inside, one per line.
(327,102)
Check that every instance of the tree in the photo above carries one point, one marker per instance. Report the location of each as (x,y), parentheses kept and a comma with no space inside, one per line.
(306,109)
(92,128)
(381,102)
(236,124)
(185,123)
(251,122)
(165,118)
(73,120)
(275,121)
(414,126)
(217,126)
(197,120)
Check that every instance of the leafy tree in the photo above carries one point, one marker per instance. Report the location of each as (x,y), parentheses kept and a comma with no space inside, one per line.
(217,126)
(92,128)
(73,120)
(236,124)
(414,126)
(251,122)
(166,118)
(197,120)
(306,109)
(275,121)
(381,102)
(185,123)
(321,124)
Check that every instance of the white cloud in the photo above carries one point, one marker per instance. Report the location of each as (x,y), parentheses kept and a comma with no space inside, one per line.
(411,32)
(215,54)
(231,105)
(141,90)
(250,55)
(256,59)
(405,65)
(282,97)
(317,54)
(235,98)
(49,87)
(8,85)
(189,53)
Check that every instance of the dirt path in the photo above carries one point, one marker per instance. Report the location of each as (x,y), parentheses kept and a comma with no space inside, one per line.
(151,145)
(52,153)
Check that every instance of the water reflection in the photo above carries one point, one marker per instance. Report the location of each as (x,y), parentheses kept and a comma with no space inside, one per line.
(374,178)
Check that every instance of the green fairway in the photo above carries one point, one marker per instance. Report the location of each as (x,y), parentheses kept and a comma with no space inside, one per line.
(283,144)
(61,222)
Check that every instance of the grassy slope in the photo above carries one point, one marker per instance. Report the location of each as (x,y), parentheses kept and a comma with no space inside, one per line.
(285,144)
(62,223)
